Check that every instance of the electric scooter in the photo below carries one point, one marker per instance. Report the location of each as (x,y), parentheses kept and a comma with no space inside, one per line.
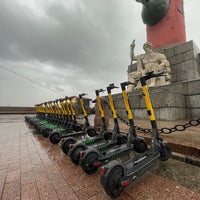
(116,175)
(56,119)
(43,124)
(77,143)
(52,121)
(40,115)
(87,130)
(92,158)
(114,137)
(52,115)
(70,123)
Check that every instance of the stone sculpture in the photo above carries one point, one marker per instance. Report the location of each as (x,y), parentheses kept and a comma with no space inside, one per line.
(149,61)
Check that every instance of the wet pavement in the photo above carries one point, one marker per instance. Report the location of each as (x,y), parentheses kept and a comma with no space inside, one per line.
(33,168)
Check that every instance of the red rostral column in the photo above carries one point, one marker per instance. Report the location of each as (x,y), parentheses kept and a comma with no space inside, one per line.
(171,28)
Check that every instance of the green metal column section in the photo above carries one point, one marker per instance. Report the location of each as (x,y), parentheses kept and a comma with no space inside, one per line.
(153,10)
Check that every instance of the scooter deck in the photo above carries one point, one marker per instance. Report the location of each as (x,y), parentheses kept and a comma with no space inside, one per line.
(104,145)
(115,152)
(106,156)
(133,168)
(96,143)
(141,164)
(92,141)
(75,134)
(99,142)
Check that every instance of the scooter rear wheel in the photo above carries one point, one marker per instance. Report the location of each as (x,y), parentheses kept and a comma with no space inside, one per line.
(77,127)
(113,186)
(54,137)
(121,139)
(75,154)
(65,145)
(107,135)
(45,132)
(88,163)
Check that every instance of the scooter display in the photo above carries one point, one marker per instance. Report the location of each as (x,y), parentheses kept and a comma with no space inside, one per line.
(92,158)
(116,175)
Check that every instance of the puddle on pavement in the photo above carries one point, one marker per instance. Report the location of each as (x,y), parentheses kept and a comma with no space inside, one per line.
(180,172)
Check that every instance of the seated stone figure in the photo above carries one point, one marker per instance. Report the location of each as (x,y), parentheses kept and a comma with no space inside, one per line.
(149,61)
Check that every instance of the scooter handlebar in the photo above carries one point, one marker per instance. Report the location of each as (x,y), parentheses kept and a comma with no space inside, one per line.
(147,76)
(124,84)
(153,74)
(66,98)
(62,99)
(112,86)
(81,95)
(94,101)
(72,97)
(98,91)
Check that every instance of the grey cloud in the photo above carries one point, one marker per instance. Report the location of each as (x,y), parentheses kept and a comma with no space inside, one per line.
(70,49)
(77,37)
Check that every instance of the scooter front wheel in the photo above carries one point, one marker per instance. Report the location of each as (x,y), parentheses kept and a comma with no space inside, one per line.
(121,139)
(88,163)
(140,146)
(77,127)
(107,135)
(113,185)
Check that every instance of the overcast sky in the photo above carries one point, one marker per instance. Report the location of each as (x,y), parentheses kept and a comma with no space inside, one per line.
(70,46)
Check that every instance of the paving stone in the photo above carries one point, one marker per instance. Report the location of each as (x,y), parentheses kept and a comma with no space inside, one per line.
(39,170)
(30,191)
(11,191)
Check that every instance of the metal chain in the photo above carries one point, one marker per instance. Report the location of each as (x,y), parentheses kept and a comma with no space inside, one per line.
(178,127)
(122,120)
